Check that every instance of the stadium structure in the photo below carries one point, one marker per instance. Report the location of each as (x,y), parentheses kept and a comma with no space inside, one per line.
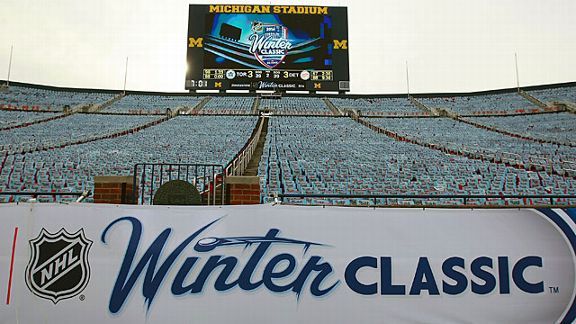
(124,206)
(311,149)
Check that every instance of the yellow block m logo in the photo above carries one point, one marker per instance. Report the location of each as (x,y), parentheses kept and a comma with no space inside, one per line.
(218,84)
(341,44)
(195,42)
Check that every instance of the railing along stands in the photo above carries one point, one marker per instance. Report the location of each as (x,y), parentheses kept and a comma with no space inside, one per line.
(208,179)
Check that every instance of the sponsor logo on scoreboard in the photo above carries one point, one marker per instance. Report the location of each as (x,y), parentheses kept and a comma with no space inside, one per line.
(269,43)
(58,268)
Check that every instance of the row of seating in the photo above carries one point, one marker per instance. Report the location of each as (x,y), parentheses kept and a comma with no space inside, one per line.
(339,156)
(228,106)
(504,103)
(12,118)
(49,100)
(148,104)
(296,106)
(28,98)
(560,127)
(555,94)
(71,128)
(379,106)
(460,136)
(183,139)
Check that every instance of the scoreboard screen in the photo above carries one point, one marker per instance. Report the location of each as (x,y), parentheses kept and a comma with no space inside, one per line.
(267,47)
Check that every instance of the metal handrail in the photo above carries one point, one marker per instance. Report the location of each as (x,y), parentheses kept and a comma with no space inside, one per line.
(80,194)
(407,196)
(42,193)
(217,170)
(239,164)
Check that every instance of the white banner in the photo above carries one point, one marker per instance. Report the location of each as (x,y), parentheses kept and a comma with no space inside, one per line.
(284,264)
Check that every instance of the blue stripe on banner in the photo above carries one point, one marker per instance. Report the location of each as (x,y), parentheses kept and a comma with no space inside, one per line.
(572,213)
(571,236)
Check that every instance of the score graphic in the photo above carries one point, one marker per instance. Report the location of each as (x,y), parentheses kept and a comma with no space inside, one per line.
(255,47)
(219,74)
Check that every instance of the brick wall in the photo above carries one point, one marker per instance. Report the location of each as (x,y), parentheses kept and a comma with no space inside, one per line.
(243,190)
(113,190)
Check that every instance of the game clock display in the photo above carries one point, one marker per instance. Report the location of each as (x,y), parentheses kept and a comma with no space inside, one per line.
(245,47)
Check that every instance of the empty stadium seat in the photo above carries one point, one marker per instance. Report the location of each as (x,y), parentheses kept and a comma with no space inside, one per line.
(339,156)
(559,127)
(184,139)
(27,98)
(379,106)
(72,128)
(461,136)
(12,118)
(228,106)
(555,94)
(302,155)
(296,106)
(147,104)
(503,103)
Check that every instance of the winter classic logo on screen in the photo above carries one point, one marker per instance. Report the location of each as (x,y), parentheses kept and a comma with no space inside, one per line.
(269,43)
(58,267)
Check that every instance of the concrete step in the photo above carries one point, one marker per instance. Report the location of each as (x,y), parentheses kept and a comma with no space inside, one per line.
(97,108)
(532,99)
(196,109)
(335,110)
(252,168)
(256,106)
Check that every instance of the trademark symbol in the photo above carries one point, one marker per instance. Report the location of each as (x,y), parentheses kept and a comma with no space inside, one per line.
(554,290)
(82,297)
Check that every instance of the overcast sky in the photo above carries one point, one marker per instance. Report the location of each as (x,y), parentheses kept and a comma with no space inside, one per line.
(450,45)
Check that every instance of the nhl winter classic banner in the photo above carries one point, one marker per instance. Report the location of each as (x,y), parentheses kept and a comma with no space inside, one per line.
(284,264)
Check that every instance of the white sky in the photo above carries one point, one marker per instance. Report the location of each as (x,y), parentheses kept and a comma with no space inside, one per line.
(451,45)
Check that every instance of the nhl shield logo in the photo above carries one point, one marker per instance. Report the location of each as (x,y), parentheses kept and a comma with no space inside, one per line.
(269,43)
(58,267)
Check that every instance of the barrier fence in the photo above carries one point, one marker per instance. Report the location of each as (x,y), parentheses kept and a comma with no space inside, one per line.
(427,200)
(43,194)
(137,264)
(148,177)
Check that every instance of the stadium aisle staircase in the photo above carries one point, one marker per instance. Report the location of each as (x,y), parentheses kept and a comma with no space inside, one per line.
(571,107)
(256,106)
(333,108)
(97,108)
(196,109)
(423,107)
(252,169)
(532,99)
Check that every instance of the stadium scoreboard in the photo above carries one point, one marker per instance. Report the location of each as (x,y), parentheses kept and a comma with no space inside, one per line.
(267,47)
